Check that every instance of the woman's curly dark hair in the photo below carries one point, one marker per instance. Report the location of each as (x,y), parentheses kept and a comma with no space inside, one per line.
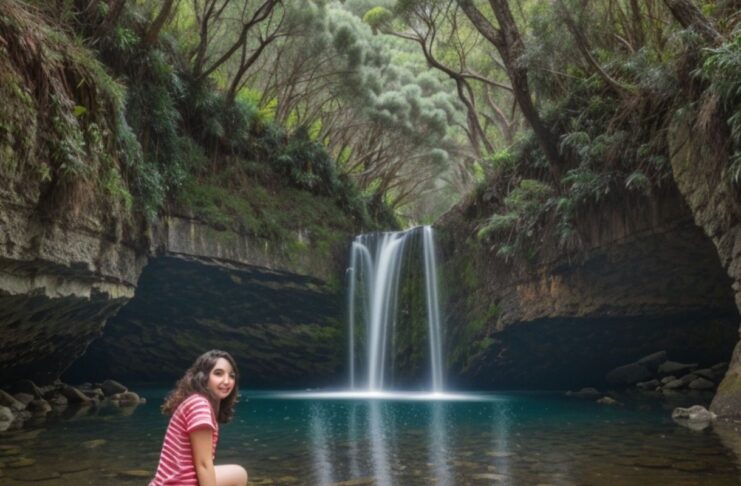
(195,380)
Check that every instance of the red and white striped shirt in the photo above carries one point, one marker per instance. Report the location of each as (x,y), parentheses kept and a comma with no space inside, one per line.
(176,459)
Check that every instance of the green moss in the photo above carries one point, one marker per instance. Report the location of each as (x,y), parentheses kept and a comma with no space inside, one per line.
(218,206)
(470,274)
(731,385)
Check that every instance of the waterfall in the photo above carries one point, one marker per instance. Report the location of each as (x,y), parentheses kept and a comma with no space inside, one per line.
(376,262)
(433,310)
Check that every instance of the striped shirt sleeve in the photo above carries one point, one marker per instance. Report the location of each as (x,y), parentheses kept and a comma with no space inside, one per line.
(197,414)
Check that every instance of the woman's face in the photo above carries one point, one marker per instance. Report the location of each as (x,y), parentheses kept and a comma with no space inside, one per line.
(221,379)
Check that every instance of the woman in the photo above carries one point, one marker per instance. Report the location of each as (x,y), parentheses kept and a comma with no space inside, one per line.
(202,399)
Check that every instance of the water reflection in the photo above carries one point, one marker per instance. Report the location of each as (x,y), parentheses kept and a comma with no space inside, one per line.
(439,444)
(379,447)
(501,421)
(515,439)
(352,432)
(319,431)
(375,447)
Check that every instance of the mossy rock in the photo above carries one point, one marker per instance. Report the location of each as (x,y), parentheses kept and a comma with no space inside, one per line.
(727,400)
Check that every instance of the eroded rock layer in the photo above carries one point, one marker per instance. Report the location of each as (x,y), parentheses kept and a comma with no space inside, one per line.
(646,279)
(60,280)
(282,328)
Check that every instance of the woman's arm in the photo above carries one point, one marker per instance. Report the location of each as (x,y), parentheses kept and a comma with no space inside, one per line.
(200,441)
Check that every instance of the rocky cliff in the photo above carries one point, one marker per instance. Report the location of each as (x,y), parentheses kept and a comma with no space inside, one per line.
(87,206)
(63,279)
(646,278)
(700,168)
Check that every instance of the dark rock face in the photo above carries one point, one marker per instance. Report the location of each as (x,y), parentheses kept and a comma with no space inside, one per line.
(700,170)
(60,281)
(282,328)
(38,340)
(571,353)
(647,278)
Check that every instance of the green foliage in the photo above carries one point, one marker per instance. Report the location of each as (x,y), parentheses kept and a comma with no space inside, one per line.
(585,184)
(377,18)
(524,208)
(722,68)
(63,130)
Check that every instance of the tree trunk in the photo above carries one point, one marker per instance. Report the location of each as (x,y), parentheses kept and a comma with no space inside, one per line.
(154,30)
(689,16)
(508,43)
(583,45)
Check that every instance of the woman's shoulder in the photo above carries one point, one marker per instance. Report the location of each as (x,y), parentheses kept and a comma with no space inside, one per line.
(197,410)
(194,401)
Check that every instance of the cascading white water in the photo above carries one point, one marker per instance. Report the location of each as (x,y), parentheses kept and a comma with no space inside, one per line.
(375,262)
(433,310)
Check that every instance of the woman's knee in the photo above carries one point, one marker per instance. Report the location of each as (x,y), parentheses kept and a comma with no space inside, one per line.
(231,475)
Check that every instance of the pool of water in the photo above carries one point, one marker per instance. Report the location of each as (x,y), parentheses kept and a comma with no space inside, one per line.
(502,438)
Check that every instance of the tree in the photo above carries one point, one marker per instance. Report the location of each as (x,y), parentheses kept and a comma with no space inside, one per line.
(206,57)
(508,42)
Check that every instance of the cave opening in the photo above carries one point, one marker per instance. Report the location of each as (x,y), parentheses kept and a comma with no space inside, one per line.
(656,291)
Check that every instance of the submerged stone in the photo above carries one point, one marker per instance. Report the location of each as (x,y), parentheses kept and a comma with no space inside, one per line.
(94,444)
(608,401)
(701,384)
(34,474)
(672,368)
(695,413)
(136,473)
(21,462)
(690,466)
(357,482)
(490,476)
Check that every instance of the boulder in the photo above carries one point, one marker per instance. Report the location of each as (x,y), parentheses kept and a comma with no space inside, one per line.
(649,385)
(629,374)
(6,418)
(680,382)
(653,360)
(74,395)
(94,393)
(695,413)
(701,383)
(39,407)
(126,398)
(674,368)
(705,373)
(112,387)
(58,401)
(7,400)
(720,367)
(50,391)
(24,398)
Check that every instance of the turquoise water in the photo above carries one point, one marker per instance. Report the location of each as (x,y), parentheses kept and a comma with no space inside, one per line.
(507,438)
